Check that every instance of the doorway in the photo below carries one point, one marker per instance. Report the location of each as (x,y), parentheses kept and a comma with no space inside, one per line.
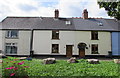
(81,52)
(69,49)
(81,47)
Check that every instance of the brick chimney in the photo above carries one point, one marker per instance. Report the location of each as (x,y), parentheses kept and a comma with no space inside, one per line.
(56,13)
(85,14)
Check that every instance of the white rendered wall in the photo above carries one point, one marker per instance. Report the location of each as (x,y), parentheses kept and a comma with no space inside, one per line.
(23,42)
(2,41)
(43,41)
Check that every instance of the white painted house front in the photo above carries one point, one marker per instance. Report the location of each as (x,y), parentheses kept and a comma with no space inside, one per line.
(56,36)
(22,42)
(42,42)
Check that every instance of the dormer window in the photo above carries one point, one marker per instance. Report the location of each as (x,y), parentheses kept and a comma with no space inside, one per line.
(100,24)
(68,22)
(12,34)
(41,18)
(55,34)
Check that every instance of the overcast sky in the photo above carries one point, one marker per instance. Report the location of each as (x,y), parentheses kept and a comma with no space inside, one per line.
(45,8)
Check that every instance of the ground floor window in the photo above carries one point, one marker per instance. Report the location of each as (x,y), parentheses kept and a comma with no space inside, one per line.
(55,48)
(11,48)
(94,48)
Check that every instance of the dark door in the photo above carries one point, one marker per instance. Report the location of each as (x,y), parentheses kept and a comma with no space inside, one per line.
(69,50)
(81,52)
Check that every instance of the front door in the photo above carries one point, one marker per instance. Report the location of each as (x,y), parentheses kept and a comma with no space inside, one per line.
(81,52)
(69,50)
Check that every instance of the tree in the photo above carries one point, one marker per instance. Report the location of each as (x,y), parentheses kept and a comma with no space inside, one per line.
(112,8)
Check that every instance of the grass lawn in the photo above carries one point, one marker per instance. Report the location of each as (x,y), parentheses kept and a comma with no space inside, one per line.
(62,68)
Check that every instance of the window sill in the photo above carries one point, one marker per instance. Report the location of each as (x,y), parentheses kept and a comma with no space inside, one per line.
(54,53)
(10,54)
(95,53)
(94,39)
(55,39)
(11,37)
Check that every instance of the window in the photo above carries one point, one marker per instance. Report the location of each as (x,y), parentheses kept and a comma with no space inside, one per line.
(94,48)
(55,34)
(12,34)
(68,22)
(55,48)
(100,24)
(11,48)
(94,35)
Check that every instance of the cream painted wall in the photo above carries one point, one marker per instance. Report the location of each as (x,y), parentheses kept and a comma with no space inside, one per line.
(104,42)
(2,40)
(43,40)
(23,42)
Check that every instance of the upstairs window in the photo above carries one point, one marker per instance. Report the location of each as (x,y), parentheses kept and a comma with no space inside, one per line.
(55,48)
(12,34)
(11,48)
(55,34)
(94,35)
(94,48)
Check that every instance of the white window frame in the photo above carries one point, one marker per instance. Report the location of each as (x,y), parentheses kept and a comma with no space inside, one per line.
(11,45)
(10,35)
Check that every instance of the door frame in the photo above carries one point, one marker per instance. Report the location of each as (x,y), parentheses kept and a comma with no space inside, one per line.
(82,46)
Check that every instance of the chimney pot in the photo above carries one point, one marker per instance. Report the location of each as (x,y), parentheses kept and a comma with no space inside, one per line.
(85,14)
(56,13)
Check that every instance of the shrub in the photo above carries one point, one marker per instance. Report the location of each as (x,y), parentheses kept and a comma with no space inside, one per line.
(13,68)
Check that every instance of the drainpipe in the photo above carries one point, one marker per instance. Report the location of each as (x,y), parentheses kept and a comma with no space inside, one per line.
(31,43)
(111,42)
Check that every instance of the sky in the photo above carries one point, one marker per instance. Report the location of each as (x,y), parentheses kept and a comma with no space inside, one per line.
(45,8)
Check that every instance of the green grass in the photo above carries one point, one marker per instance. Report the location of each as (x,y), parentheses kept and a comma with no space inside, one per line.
(62,68)
(0,68)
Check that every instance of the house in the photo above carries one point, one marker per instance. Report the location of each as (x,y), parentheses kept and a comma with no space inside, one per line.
(58,36)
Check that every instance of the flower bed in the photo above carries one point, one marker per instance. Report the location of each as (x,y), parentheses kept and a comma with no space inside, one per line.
(13,67)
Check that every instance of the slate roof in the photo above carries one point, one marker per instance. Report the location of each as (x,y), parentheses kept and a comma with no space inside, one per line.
(50,23)
(36,23)
(93,24)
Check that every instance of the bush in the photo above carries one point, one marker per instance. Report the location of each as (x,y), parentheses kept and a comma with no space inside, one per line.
(13,68)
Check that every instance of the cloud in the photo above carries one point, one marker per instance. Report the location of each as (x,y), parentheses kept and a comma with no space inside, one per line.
(27,7)
(95,11)
(10,7)
(45,8)
(76,7)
